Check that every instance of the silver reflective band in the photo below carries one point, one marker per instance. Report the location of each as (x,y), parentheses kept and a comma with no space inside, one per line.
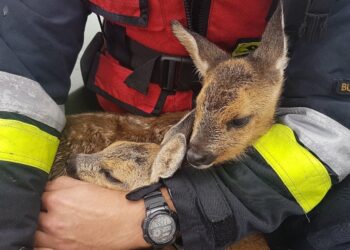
(26,97)
(325,137)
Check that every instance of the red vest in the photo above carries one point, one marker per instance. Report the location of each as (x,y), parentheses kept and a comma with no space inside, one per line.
(140,66)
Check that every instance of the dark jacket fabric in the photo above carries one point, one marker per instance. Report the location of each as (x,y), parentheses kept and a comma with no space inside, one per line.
(317,69)
(40,42)
(228,197)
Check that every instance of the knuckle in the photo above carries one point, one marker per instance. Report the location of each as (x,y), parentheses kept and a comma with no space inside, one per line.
(54,226)
(46,224)
(52,199)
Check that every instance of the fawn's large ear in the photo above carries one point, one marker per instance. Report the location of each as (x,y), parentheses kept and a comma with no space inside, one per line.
(204,54)
(184,126)
(272,51)
(169,158)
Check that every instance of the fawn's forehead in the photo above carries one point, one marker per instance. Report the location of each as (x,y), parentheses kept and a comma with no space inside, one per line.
(225,83)
(128,152)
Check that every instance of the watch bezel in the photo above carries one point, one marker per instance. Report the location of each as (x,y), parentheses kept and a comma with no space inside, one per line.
(150,215)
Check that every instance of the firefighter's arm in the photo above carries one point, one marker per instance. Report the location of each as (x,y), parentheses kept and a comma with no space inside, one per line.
(39,43)
(291,168)
(276,179)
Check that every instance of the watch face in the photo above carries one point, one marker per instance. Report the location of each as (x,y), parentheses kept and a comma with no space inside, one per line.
(161,229)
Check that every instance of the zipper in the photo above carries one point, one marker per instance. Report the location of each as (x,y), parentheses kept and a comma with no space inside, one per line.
(188,13)
(197,15)
(203,16)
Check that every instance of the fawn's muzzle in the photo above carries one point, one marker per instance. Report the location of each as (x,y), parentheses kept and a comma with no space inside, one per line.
(199,158)
(72,167)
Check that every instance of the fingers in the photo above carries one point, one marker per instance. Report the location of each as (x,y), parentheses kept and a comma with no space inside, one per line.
(48,234)
(43,222)
(48,201)
(54,187)
(44,202)
(62,183)
(43,241)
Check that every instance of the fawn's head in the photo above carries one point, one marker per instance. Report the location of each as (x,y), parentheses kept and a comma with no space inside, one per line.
(126,165)
(239,96)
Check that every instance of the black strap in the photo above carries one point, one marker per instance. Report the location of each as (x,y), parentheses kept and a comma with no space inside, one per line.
(160,103)
(172,73)
(141,192)
(316,18)
(117,43)
(141,20)
(101,23)
(141,77)
(87,62)
(272,9)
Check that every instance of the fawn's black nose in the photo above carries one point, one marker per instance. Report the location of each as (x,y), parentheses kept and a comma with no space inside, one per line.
(199,158)
(71,167)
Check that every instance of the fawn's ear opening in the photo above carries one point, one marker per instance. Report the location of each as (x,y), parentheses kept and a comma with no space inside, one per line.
(204,54)
(272,51)
(184,126)
(169,158)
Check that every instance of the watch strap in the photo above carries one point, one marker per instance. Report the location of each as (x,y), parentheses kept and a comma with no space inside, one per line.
(140,193)
(155,200)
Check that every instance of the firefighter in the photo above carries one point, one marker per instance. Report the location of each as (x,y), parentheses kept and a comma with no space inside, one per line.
(136,65)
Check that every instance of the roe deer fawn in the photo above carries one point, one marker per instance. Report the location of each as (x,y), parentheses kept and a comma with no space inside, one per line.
(126,165)
(235,107)
(238,100)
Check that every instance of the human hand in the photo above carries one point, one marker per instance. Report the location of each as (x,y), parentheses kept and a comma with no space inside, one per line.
(79,215)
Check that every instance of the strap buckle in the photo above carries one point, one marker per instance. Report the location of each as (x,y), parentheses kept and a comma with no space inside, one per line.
(170,66)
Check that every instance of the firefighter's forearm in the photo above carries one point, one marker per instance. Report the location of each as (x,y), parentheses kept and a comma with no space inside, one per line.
(276,179)
(39,44)
(30,124)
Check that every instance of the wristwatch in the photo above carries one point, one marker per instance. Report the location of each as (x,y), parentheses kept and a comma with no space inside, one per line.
(160,224)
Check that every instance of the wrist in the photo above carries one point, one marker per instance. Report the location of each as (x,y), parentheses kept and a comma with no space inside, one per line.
(136,214)
(167,197)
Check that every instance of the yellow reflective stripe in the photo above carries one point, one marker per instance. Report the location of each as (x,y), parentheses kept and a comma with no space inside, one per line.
(302,173)
(26,144)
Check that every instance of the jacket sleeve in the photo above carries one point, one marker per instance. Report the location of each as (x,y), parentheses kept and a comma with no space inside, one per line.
(39,43)
(276,179)
(225,203)
(289,170)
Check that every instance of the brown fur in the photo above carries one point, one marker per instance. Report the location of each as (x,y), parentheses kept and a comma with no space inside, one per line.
(234,88)
(92,132)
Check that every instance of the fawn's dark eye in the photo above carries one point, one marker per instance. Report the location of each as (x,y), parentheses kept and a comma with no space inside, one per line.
(238,122)
(107,174)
